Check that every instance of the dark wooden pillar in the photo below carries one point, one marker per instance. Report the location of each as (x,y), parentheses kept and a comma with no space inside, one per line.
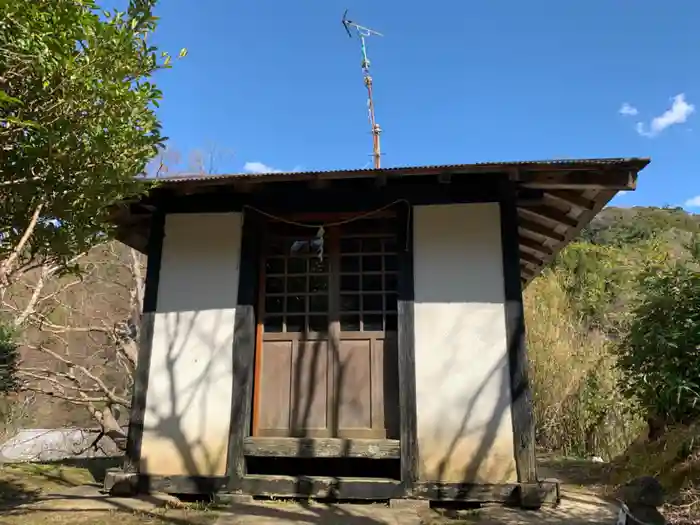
(407,354)
(243,351)
(521,404)
(143,364)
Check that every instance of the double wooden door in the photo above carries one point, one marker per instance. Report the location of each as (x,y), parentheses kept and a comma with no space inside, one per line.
(326,355)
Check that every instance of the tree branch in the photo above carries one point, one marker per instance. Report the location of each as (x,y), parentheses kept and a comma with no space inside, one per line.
(7,264)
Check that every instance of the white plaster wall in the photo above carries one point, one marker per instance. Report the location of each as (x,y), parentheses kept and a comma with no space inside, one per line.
(462,380)
(188,402)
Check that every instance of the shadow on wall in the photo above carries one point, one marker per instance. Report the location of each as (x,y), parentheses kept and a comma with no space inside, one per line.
(465,422)
(188,405)
(463,383)
(189,397)
(189,391)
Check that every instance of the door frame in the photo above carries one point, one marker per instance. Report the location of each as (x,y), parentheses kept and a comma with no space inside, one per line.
(243,349)
(333,307)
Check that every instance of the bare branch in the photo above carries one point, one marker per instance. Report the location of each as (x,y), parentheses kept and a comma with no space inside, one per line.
(8,263)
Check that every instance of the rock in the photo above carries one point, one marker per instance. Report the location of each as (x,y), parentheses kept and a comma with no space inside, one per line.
(56,445)
(645,515)
(645,491)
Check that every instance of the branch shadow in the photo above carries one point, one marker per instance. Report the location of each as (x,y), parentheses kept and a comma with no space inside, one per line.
(317,514)
(113,509)
(489,430)
(14,494)
(185,420)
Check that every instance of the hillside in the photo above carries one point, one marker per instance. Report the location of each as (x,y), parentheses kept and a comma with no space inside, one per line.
(624,226)
(583,315)
(579,308)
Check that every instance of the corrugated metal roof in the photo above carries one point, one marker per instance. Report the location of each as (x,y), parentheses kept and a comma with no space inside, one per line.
(562,163)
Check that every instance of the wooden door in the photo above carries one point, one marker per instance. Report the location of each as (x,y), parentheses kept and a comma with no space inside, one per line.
(327,358)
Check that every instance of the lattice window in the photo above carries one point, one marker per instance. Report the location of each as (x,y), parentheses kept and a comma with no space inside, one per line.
(368,283)
(296,285)
(355,282)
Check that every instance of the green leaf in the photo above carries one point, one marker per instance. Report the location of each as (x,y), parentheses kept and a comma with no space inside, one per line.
(83,125)
(7,99)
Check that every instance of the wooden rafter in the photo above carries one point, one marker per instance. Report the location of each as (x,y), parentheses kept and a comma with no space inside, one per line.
(526,271)
(526,242)
(570,197)
(540,229)
(591,179)
(550,214)
(531,259)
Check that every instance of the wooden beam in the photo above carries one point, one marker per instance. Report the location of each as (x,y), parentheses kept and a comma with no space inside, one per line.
(530,197)
(322,487)
(244,186)
(482,493)
(540,229)
(131,484)
(330,216)
(524,256)
(549,214)
(244,333)
(244,358)
(319,184)
(593,179)
(408,431)
(573,198)
(521,395)
(527,271)
(444,178)
(132,461)
(349,196)
(535,246)
(322,448)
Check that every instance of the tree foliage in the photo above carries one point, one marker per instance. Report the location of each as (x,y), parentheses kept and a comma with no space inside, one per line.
(77,123)
(622,227)
(660,356)
(611,331)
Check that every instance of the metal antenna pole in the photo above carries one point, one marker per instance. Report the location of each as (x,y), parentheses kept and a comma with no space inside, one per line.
(363,33)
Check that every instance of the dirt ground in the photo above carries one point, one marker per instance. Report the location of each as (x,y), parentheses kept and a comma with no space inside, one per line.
(58,494)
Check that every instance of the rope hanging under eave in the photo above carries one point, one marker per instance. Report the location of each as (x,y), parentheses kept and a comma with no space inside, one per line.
(321,229)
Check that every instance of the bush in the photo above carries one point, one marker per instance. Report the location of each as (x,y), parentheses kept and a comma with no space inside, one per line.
(660,356)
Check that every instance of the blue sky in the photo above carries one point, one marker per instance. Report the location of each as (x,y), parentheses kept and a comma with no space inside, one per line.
(278,83)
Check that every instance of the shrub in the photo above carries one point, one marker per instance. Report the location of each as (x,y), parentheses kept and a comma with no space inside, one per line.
(660,356)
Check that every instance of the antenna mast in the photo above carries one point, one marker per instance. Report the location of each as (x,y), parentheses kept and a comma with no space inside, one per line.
(363,33)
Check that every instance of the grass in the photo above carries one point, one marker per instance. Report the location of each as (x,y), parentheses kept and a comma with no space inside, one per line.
(579,410)
(23,487)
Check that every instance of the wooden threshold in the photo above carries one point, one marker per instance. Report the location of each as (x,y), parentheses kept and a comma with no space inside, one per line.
(322,447)
(322,487)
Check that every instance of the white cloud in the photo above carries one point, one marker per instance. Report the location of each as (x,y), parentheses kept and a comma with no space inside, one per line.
(678,113)
(693,203)
(628,110)
(259,167)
